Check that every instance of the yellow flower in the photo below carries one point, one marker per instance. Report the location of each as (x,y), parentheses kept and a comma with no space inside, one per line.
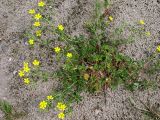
(148,33)
(31,41)
(57,49)
(69,55)
(31,11)
(141,22)
(38,33)
(36,63)
(38,16)
(61,115)
(26,81)
(21,73)
(60,27)
(43,104)
(26,69)
(37,24)
(41,4)
(86,76)
(25,64)
(61,106)
(110,18)
(50,97)
(158,48)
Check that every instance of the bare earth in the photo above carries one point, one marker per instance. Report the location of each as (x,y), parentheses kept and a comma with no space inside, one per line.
(14,20)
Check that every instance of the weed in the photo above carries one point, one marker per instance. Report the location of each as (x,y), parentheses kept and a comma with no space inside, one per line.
(85,63)
(6,108)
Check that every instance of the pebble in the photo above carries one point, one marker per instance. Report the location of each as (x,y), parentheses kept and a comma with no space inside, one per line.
(14,72)
(10,59)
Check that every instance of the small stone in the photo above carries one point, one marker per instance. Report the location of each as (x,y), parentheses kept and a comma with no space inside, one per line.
(1,114)
(97,111)
(14,72)
(10,59)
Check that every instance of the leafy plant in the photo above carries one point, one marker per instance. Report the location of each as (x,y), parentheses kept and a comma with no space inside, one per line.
(6,108)
(85,63)
(9,111)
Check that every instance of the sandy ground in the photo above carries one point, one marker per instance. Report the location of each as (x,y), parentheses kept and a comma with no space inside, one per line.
(72,13)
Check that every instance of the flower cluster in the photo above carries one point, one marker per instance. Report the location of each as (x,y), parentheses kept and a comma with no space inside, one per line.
(62,107)
(24,72)
(37,23)
(43,104)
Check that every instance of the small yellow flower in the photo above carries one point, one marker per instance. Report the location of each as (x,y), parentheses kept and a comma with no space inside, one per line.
(148,33)
(38,16)
(69,55)
(141,22)
(86,76)
(36,63)
(43,104)
(50,97)
(38,33)
(110,18)
(31,11)
(37,24)
(26,69)
(158,48)
(21,73)
(41,4)
(57,49)
(26,81)
(60,27)
(61,115)
(31,41)
(61,106)
(25,64)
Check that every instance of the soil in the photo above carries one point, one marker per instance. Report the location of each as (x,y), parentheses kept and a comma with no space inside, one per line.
(14,20)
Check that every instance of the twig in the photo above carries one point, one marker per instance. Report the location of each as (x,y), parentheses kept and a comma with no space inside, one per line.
(150,110)
(104,91)
(134,105)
